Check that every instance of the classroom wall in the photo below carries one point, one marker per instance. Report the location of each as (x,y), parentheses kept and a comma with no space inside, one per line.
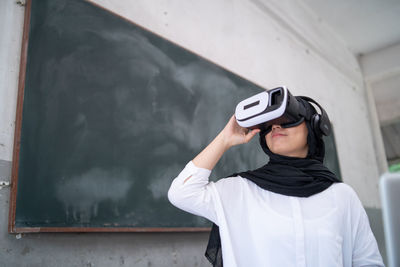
(269,42)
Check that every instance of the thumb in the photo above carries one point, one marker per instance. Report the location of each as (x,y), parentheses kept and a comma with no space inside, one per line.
(251,134)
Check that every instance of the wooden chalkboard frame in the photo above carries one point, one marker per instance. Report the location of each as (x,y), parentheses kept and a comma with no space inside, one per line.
(17,143)
(18,122)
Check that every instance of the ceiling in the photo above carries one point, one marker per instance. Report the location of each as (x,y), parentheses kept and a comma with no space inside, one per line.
(371,30)
(364,25)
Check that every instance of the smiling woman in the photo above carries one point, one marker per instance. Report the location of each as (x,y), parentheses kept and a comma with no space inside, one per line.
(293,211)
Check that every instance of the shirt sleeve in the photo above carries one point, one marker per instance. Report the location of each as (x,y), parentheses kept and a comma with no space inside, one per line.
(192,192)
(365,247)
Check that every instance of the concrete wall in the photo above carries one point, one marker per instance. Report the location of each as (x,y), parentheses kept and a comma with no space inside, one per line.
(381,71)
(269,42)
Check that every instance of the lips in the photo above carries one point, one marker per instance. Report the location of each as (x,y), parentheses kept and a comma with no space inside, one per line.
(277,135)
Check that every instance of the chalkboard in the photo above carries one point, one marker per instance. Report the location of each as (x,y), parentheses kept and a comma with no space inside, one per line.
(111,113)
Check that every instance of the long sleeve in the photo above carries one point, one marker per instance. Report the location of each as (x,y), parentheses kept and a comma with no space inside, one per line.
(365,248)
(192,192)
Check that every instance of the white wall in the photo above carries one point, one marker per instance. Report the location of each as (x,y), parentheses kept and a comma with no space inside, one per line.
(269,42)
(272,43)
(382,72)
(11,24)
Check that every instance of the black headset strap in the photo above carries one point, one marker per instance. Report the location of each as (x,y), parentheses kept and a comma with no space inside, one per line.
(323,112)
(325,127)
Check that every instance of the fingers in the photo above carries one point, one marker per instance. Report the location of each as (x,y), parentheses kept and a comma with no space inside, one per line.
(251,134)
(232,121)
(244,134)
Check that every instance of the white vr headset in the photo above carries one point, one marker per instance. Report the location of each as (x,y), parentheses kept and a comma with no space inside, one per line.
(279,106)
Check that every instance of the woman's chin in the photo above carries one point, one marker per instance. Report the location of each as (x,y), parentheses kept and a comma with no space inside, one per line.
(288,153)
(281,152)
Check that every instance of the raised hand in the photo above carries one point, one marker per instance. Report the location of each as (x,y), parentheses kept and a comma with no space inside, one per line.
(234,134)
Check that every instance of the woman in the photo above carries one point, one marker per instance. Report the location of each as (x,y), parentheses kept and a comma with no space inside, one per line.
(291,212)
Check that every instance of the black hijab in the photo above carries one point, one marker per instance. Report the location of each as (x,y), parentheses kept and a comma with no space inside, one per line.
(291,176)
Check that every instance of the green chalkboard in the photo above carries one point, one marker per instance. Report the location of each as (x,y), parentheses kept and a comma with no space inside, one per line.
(111,114)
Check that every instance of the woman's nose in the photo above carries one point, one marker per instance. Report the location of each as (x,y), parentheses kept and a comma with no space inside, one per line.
(275,126)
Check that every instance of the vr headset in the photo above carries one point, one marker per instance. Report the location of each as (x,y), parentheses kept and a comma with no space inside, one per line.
(279,106)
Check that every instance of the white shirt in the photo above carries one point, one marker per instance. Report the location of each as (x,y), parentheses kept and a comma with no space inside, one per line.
(261,228)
